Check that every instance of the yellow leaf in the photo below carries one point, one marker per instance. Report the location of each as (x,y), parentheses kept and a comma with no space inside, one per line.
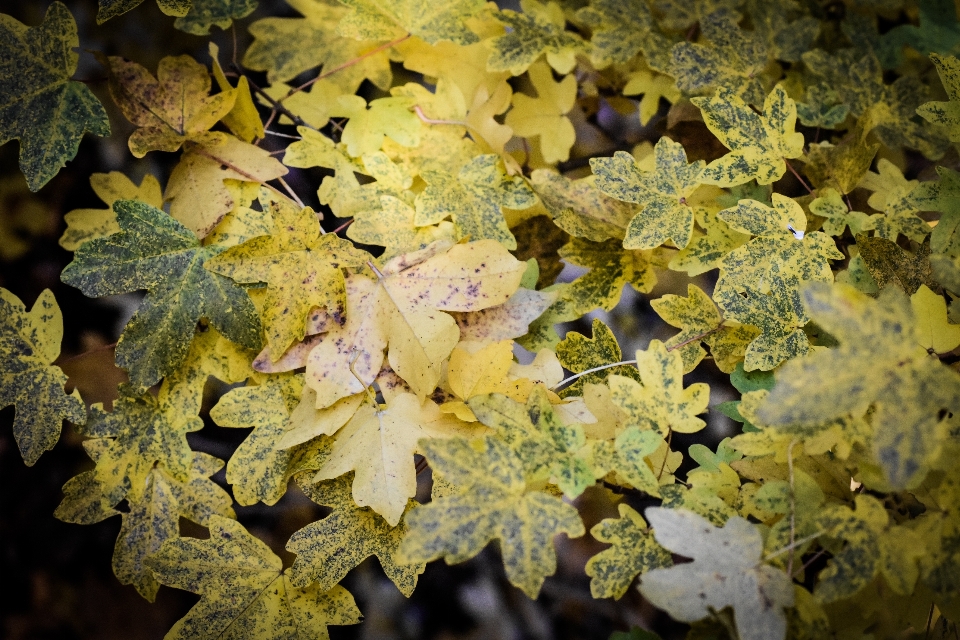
(543,117)
(934,331)
(87,224)
(243,120)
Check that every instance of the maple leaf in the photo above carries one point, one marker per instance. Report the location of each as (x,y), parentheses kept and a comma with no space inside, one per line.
(199,197)
(821,109)
(885,366)
(87,224)
(403,312)
(40,106)
(473,372)
(492,503)
(676,15)
(778,313)
(941,195)
(580,208)
(170,109)
(653,86)
(391,19)
(206,14)
(328,549)
(700,321)
(938,30)
(830,205)
(539,29)
(243,120)
(245,592)
(29,343)
(888,264)
(893,196)
(707,249)
(788,33)
(731,63)
(780,238)
(368,127)
(378,444)
(727,571)
(611,268)
(619,29)
(946,114)
(579,354)
(153,251)
(936,333)
(662,193)
(504,321)
(659,402)
(302,268)
(547,449)
(543,117)
(633,552)
(840,166)
(475,199)
(112,8)
(758,143)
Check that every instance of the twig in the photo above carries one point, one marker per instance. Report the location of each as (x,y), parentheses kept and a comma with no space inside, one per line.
(293,195)
(793,506)
(87,353)
(275,104)
(424,118)
(345,65)
(343,226)
(797,176)
(281,135)
(355,353)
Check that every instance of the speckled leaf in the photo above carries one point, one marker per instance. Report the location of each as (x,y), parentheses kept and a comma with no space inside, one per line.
(620,29)
(727,571)
(611,267)
(153,251)
(474,198)
(378,444)
(40,105)
(663,194)
(539,29)
(29,343)
(780,239)
(548,449)
(829,204)
(390,19)
(87,224)
(758,142)
(946,114)
(634,551)
(840,166)
(893,195)
(170,109)
(942,195)
(328,549)
(821,109)
(732,62)
(303,270)
(579,353)
(505,321)
(780,316)
(206,14)
(113,8)
(880,362)
(403,313)
(889,265)
(492,504)
(245,593)
(579,208)
(706,250)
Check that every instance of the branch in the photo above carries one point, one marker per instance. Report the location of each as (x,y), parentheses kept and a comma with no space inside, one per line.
(275,104)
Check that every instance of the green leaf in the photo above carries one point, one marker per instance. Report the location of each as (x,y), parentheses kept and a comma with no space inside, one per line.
(759,143)
(830,205)
(328,549)
(474,199)
(391,19)
(580,208)
(29,343)
(538,30)
(636,633)
(938,31)
(206,14)
(40,105)
(821,108)
(112,8)
(880,363)
(663,194)
(634,551)
(579,353)
(245,593)
(620,29)
(727,571)
(153,251)
(492,504)
(611,267)
(731,63)
(888,264)
(710,461)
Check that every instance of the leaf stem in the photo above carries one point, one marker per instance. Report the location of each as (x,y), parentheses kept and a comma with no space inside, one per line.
(345,65)
(427,120)
(797,176)
(275,104)
(793,506)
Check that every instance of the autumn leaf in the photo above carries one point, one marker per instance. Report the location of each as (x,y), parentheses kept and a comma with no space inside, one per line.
(474,199)
(493,503)
(619,29)
(153,251)
(543,117)
(580,208)
(87,224)
(170,109)
(29,343)
(403,312)
(611,267)
(888,264)
(759,143)
(378,444)
(893,195)
(244,119)
(206,14)
(829,204)
(945,113)
(370,124)
(707,248)
(537,30)
(41,106)
(245,592)
(885,366)
(663,194)
(391,19)
(633,552)
(302,268)
(329,548)
(580,354)
(112,8)
(727,571)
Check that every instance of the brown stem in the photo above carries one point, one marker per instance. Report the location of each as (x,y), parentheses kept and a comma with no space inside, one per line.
(297,120)
(86,353)
(797,176)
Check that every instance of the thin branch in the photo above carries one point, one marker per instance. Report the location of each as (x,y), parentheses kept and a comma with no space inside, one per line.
(105,347)
(427,120)
(797,176)
(345,65)
(343,226)
(281,135)
(793,506)
(275,104)
(353,359)
(293,195)
(792,546)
